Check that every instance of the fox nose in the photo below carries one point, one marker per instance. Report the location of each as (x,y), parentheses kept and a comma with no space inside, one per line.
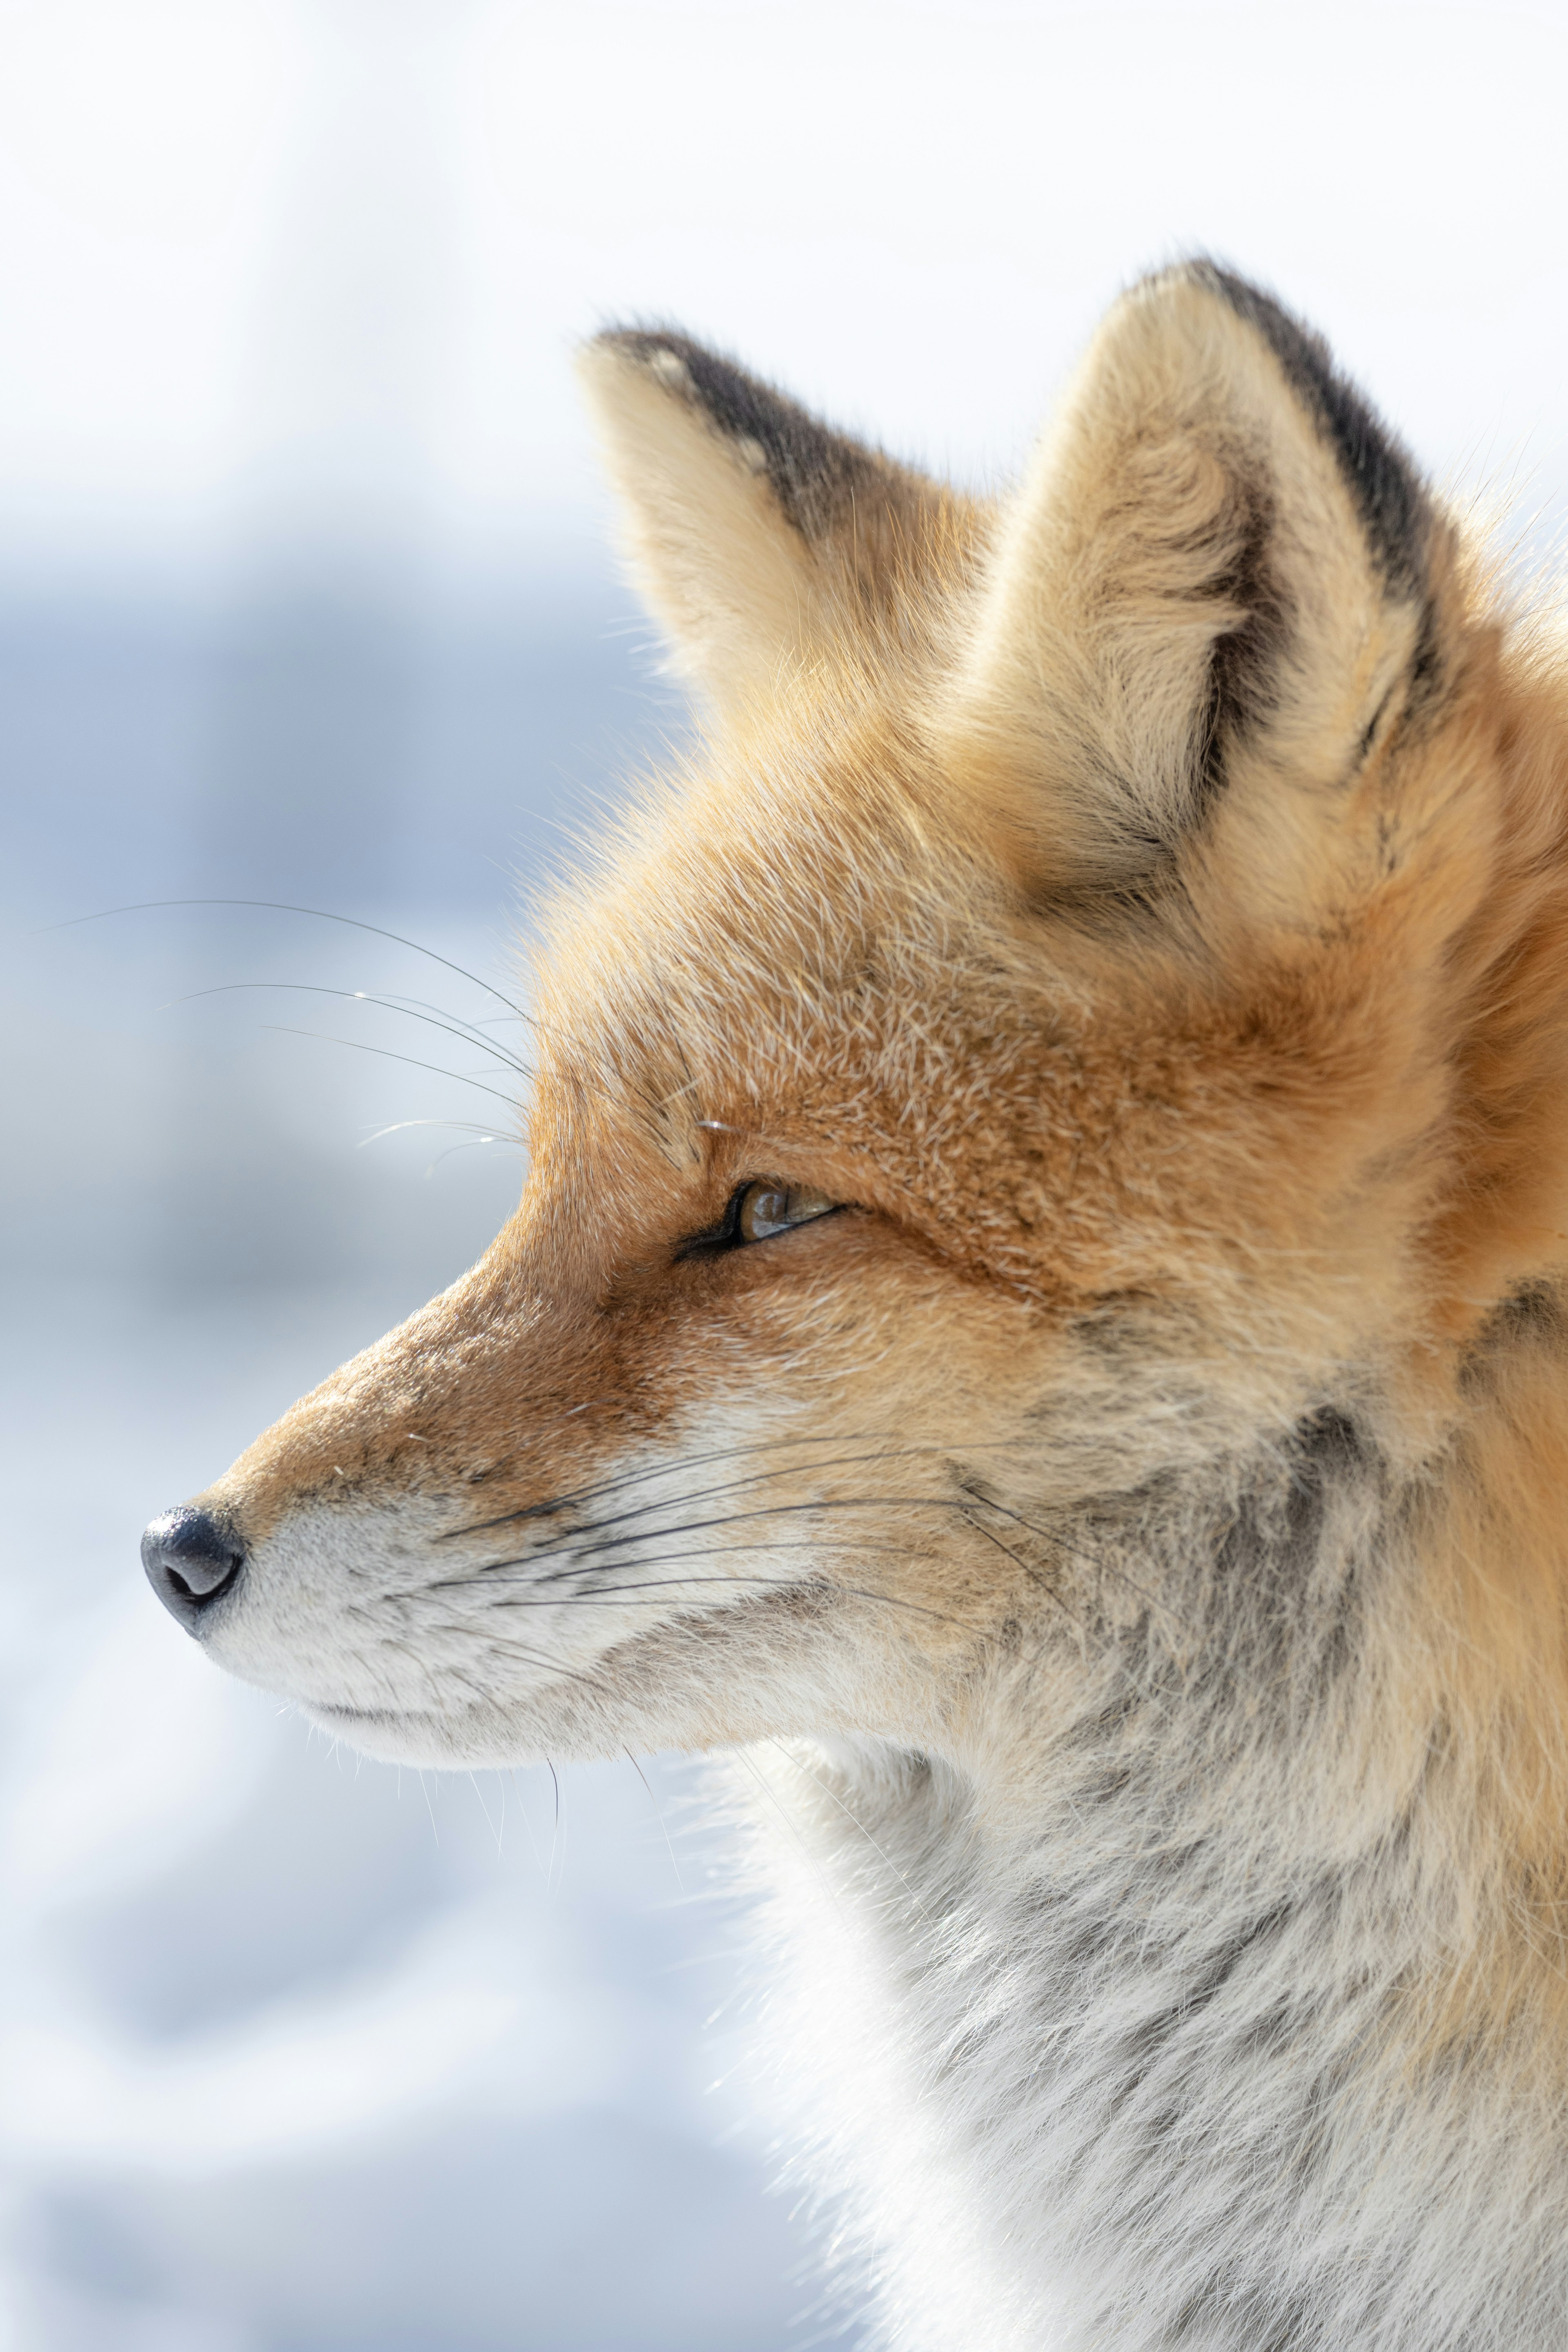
(191,1561)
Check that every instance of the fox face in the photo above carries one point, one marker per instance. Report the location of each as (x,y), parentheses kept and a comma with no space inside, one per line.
(1054,1061)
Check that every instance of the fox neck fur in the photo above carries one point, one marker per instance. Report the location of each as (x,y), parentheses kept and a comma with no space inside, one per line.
(1197,2019)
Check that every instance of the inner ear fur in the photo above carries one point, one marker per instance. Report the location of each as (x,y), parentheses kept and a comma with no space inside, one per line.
(1215,582)
(763,542)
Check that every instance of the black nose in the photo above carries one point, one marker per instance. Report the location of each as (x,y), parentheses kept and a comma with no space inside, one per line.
(192,1559)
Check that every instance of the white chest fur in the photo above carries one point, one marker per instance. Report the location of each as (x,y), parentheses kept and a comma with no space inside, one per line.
(1096,2086)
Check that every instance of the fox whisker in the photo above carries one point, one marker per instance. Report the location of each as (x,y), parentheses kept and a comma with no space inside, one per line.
(410,1010)
(319,914)
(462,1077)
(668,1469)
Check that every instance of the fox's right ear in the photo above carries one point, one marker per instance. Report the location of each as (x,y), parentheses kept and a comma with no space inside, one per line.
(761,540)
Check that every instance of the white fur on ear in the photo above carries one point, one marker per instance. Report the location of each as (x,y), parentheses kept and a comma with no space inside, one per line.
(1217,566)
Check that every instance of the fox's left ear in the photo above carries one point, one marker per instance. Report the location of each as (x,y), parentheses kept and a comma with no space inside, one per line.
(762,540)
(1217,597)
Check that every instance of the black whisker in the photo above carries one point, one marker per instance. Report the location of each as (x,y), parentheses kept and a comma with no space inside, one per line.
(1033,1575)
(826,1586)
(671,1468)
(487,1581)
(1086,1558)
(585,1534)
(594,1527)
(728,1520)
(663,1469)
(818,1583)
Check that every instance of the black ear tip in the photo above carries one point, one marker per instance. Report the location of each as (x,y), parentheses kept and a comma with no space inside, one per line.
(1258,306)
(1383,477)
(1216,276)
(665,350)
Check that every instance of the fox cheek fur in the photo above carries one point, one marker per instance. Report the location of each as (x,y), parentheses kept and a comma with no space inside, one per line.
(1039,1289)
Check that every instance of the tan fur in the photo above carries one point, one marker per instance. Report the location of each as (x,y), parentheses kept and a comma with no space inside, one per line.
(1145,906)
(748,597)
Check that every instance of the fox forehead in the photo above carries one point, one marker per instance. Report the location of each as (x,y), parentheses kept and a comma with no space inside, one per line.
(775,903)
(782,951)
(800,962)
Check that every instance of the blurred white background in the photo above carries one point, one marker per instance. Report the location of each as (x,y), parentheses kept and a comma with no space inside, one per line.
(303,597)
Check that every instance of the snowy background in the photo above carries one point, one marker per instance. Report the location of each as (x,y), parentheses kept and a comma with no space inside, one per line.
(303,597)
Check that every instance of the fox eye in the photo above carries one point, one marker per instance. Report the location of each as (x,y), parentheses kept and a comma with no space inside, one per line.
(765,1208)
(756,1211)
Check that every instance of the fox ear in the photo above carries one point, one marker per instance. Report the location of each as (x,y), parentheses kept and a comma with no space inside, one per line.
(1213,592)
(759,540)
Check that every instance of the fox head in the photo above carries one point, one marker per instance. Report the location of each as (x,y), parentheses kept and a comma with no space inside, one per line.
(1085,1035)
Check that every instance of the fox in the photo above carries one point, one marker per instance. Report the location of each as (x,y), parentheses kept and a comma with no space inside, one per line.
(1035,1336)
